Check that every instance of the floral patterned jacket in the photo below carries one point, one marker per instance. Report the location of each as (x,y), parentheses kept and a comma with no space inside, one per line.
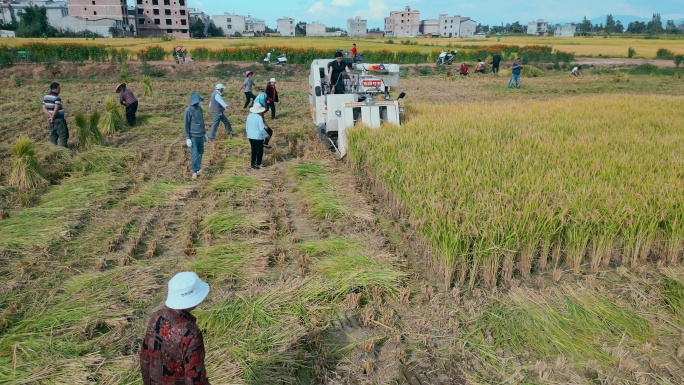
(173,350)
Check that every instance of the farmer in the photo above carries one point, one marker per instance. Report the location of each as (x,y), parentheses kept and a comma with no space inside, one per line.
(195,133)
(53,109)
(272,97)
(173,349)
(127,99)
(335,70)
(247,86)
(496,59)
(216,107)
(576,71)
(256,133)
(515,74)
(353,51)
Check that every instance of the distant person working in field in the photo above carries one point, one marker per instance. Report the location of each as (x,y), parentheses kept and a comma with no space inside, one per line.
(217,106)
(353,51)
(173,349)
(576,71)
(496,59)
(336,69)
(480,66)
(52,107)
(515,74)
(195,133)
(247,87)
(127,99)
(272,97)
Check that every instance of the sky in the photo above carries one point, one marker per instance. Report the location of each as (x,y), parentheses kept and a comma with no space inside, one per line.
(334,13)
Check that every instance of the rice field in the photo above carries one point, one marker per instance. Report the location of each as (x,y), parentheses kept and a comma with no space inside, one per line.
(336,272)
(613,46)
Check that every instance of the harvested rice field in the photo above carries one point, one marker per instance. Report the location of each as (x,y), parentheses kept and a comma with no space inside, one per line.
(499,236)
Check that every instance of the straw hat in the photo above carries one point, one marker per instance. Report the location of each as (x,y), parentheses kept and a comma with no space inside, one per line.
(186,290)
(220,87)
(257,108)
(272,80)
(118,88)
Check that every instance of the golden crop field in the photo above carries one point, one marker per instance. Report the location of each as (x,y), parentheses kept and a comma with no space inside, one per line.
(578,182)
(327,271)
(580,46)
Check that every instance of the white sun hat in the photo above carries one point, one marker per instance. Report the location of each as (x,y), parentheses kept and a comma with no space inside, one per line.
(272,80)
(257,108)
(220,87)
(186,290)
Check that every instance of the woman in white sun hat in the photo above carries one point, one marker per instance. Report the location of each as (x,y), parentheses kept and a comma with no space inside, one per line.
(272,97)
(173,343)
(256,133)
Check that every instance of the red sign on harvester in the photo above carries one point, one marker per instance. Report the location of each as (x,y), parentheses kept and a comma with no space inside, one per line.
(372,83)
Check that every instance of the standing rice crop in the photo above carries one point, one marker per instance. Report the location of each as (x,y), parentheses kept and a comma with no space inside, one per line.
(526,181)
(112,120)
(26,171)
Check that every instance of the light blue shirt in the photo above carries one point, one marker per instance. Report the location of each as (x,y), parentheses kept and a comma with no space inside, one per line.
(255,127)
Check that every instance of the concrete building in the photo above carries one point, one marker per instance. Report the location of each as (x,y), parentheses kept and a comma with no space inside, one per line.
(429,27)
(254,26)
(115,10)
(456,26)
(230,23)
(315,29)
(286,26)
(565,30)
(357,26)
(404,23)
(162,18)
(195,14)
(538,28)
(55,10)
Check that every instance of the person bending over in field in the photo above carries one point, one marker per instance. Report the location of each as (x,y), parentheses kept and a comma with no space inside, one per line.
(127,99)
(576,71)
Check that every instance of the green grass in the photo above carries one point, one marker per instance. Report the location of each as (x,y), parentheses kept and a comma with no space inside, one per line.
(238,184)
(224,262)
(322,199)
(55,212)
(329,247)
(155,194)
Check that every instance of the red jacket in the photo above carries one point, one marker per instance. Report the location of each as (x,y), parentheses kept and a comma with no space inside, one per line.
(271,93)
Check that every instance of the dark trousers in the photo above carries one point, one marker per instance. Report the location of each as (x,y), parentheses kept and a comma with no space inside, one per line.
(58,130)
(249,97)
(257,151)
(271,106)
(270,134)
(131,109)
(495,67)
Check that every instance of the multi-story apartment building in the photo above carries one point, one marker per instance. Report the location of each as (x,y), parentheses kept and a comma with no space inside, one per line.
(286,26)
(100,9)
(357,27)
(565,30)
(538,28)
(404,23)
(456,26)
(230,23)
(254,26)
(429,27)
(162,17)
(315,29)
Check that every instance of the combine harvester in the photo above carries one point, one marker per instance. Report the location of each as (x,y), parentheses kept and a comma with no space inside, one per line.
(365,101)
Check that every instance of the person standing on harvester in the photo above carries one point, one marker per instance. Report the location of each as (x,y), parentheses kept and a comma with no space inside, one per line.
(195,133)
(217,106)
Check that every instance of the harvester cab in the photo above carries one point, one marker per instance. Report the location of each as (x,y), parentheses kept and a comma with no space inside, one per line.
(366,100)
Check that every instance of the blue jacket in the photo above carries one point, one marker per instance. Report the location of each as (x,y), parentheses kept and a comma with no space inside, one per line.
(517,68)
(255,127)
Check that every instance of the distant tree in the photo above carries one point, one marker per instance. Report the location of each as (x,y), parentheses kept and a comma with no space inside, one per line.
(482,28)
(116,31)
(34,23)
(197,29)
(680,27)
(618,27)
(11,26)
(214,31)
(300,29)
(333,29)
(636,27)
(517,28)
(655,26)
(671,27)
(610,24)
(269,30)
(585,26)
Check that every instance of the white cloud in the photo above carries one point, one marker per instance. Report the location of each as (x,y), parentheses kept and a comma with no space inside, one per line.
(342,3)
(317,8)
(377,10)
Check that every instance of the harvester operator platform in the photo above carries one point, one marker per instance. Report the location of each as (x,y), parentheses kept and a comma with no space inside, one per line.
(335,70)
